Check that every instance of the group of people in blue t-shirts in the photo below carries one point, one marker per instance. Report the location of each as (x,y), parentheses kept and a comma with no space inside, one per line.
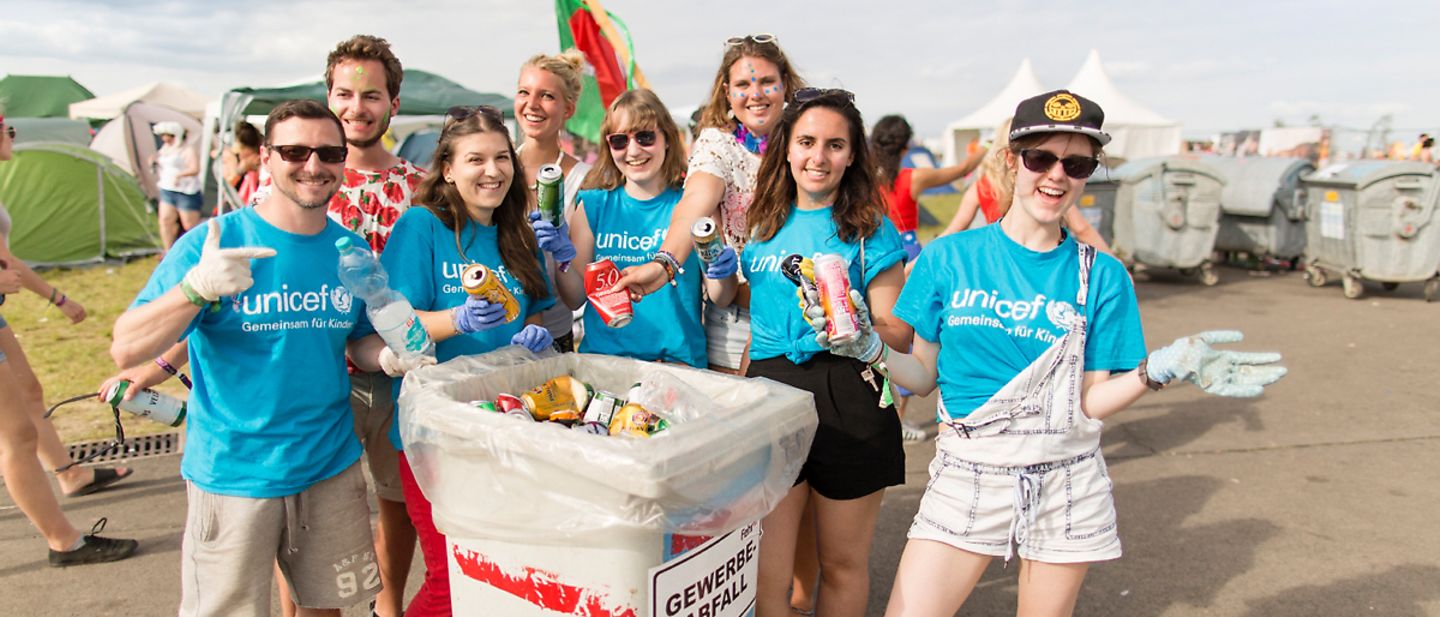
(1032,338)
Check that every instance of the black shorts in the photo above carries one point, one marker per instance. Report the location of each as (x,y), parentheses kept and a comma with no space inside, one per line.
(857,449)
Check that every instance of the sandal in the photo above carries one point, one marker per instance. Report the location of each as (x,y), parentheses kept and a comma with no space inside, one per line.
(104,477)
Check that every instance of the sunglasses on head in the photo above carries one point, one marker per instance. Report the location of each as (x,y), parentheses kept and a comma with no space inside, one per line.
(805,95)
(764,38)
(621,141)
(301,154)
(461,112)
(1040,161)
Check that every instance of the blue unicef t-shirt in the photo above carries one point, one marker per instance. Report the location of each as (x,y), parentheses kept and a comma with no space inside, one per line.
(424,263)
(270,412)
(667,323)
(987,301)
(777,328)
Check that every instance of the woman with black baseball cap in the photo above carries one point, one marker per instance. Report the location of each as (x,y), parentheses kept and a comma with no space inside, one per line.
(1033,338)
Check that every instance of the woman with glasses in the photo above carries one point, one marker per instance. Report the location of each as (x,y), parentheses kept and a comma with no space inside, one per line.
(24,433)
(624,210)
(471,209)
(990,195)
(1031,337)
(751,87)
(545,98)
(815,195)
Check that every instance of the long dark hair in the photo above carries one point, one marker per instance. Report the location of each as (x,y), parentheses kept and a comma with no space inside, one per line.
(890,139)
(516,239)
(859,207)
(716,112)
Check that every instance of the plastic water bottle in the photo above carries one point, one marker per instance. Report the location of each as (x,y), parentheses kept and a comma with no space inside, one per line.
(391,314)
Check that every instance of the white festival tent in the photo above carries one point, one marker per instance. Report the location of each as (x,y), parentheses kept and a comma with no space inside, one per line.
(960,133)
(157,93)
(1138,132)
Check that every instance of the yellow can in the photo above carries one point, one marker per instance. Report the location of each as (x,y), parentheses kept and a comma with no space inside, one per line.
(635,421)
(481,281)
(558,400)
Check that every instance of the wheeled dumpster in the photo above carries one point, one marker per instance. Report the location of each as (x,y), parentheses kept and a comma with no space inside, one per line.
(1373,220)
(1161,212)
(545,520)
(1262,207)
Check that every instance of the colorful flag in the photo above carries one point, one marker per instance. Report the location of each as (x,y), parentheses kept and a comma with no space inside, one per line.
(610,57)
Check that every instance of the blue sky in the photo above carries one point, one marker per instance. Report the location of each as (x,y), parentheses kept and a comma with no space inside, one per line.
(1214,66)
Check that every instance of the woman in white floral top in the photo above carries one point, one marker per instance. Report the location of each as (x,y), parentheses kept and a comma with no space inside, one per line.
(754,82)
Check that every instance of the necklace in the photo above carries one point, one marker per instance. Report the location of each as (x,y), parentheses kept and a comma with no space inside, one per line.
(754,143)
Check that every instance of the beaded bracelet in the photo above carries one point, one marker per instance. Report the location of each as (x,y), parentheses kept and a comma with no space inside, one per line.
(671,265)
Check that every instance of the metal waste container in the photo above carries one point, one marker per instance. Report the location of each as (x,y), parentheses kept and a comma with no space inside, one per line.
(1161,212)
(1373,220)
(1262,208)
(544,520)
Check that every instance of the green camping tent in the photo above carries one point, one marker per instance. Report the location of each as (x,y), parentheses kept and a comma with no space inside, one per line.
(421,94)
(72,205)
(40,96)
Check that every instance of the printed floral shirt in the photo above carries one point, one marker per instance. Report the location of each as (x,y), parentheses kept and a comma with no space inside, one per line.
(369,201)
(717,153)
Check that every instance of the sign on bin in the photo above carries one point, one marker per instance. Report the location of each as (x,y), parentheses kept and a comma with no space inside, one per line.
(716,579)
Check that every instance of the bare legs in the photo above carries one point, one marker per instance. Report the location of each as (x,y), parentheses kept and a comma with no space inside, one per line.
(934,580)
(24,477)
(843,531)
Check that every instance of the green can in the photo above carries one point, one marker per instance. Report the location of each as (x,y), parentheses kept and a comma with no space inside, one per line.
(484,406)
(550,193)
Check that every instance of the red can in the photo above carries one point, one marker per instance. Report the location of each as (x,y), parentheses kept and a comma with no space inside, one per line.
(505,403)
(614,307)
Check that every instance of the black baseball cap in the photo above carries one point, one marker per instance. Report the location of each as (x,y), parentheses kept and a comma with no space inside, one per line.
(1059,111)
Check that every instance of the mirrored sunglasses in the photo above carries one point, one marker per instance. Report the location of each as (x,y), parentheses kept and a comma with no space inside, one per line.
(763,38)
(1040,161)
(621,141)
(301,154)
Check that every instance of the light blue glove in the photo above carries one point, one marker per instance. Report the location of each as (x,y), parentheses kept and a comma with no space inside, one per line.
(476,314)
(866,347)
(553,240)
(533,337)
(1223,373)
(724,266)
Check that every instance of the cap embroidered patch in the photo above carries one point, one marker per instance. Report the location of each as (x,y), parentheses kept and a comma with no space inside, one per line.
(1062,107)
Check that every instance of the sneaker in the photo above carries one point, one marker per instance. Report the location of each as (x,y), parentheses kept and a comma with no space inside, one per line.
(96,549)
(912,433)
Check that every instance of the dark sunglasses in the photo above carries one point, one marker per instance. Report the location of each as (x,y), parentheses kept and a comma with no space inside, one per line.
(805,95)
(10,130)
(764,38)
(1040,161)
(301,154)
(621,141)
(461,112)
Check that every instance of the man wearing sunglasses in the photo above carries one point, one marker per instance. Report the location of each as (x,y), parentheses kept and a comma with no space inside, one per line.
(271,463)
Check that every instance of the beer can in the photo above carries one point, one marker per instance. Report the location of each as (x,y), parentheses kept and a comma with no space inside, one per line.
(481,281)
(602,408)
(147,403)
(633,420)
(563,395)
(506,403)
(614,307)
(706,235)
(832,280)
(484,406)
(550,193)
(520,414)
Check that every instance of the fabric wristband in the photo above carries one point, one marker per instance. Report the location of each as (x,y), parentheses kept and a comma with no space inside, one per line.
(196,299)
(173,371)
(1145,376)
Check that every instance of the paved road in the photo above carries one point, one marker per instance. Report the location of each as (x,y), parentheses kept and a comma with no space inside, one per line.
(1318,499)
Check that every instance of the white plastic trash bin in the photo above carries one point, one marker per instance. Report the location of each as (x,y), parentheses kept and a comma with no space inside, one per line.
(543,520)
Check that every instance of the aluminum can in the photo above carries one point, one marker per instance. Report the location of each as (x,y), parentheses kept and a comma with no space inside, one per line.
(832,280)
(614,308)
(708,242)
(602,408)
(481,281)
(484,406)
(633,420)
(550,193)
(559,399)
(506,403)
(520,414)
(147,403)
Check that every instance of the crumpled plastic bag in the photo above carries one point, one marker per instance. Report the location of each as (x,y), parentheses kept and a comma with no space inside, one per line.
(733,450)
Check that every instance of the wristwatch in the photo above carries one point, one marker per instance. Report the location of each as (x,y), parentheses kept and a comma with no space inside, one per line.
(1145,376)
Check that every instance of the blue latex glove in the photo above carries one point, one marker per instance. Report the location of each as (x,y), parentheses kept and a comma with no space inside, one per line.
(476,314)
(866,347)
(1223,373)
(724,266)
(553,240)
(533,337)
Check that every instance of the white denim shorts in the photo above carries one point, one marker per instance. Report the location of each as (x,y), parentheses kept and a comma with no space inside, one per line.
(1058,512)
(727,332)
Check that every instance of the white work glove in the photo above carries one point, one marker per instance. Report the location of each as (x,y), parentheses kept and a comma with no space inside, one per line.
(866,347)
(1223,373)
(223,272)
(395,366)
